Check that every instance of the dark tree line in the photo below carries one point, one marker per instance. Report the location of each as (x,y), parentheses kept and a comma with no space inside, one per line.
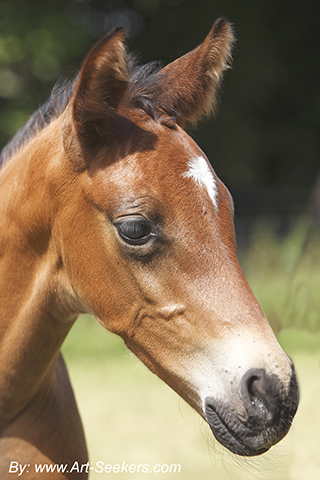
(266,133)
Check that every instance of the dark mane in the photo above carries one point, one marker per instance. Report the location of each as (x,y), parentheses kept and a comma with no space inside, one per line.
(144,86)
(51,109)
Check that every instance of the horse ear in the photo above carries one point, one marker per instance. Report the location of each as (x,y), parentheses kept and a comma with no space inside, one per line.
(102,82)
(191,83)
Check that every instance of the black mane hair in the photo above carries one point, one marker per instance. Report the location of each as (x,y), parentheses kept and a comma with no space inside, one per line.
(51,109)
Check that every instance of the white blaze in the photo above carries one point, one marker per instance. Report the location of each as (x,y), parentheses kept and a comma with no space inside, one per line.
(200,172)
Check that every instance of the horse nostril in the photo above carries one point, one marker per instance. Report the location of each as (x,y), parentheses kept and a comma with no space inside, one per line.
(261,397)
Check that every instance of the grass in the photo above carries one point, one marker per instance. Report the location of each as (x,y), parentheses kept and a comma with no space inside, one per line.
(284,274)
(131,416)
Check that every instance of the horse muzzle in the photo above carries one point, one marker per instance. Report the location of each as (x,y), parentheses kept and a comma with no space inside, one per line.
(262,417)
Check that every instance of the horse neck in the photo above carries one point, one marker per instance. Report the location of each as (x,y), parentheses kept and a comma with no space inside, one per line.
(35,316)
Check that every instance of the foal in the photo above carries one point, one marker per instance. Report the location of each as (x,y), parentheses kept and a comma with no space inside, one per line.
(109,207)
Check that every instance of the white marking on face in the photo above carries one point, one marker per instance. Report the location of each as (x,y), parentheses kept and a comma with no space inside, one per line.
(200,172)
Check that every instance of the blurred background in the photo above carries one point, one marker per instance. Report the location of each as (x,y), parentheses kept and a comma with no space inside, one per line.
(264,143)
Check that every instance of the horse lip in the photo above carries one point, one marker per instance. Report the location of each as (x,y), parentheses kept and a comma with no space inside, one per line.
(243,432)
(228,432)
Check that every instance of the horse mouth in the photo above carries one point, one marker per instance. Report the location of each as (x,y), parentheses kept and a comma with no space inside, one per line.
(232,434)
(263,418)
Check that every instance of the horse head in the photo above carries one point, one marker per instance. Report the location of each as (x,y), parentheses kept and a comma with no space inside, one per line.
(147,242)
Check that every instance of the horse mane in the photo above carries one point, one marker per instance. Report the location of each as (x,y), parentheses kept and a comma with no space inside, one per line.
(143,81)
(51,109)
(145,87)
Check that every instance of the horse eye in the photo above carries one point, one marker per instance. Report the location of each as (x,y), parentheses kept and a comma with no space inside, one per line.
(135,231)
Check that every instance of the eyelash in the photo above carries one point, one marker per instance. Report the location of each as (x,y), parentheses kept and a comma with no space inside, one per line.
(135,231)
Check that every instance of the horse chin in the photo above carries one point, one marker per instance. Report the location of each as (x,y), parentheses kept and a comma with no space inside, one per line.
(242,436)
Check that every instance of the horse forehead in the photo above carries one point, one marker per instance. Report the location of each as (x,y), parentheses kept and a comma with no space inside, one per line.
(175,167)
(200,172)
(187,161)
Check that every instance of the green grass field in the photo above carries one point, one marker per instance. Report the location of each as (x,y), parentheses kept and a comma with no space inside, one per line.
(131,416)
